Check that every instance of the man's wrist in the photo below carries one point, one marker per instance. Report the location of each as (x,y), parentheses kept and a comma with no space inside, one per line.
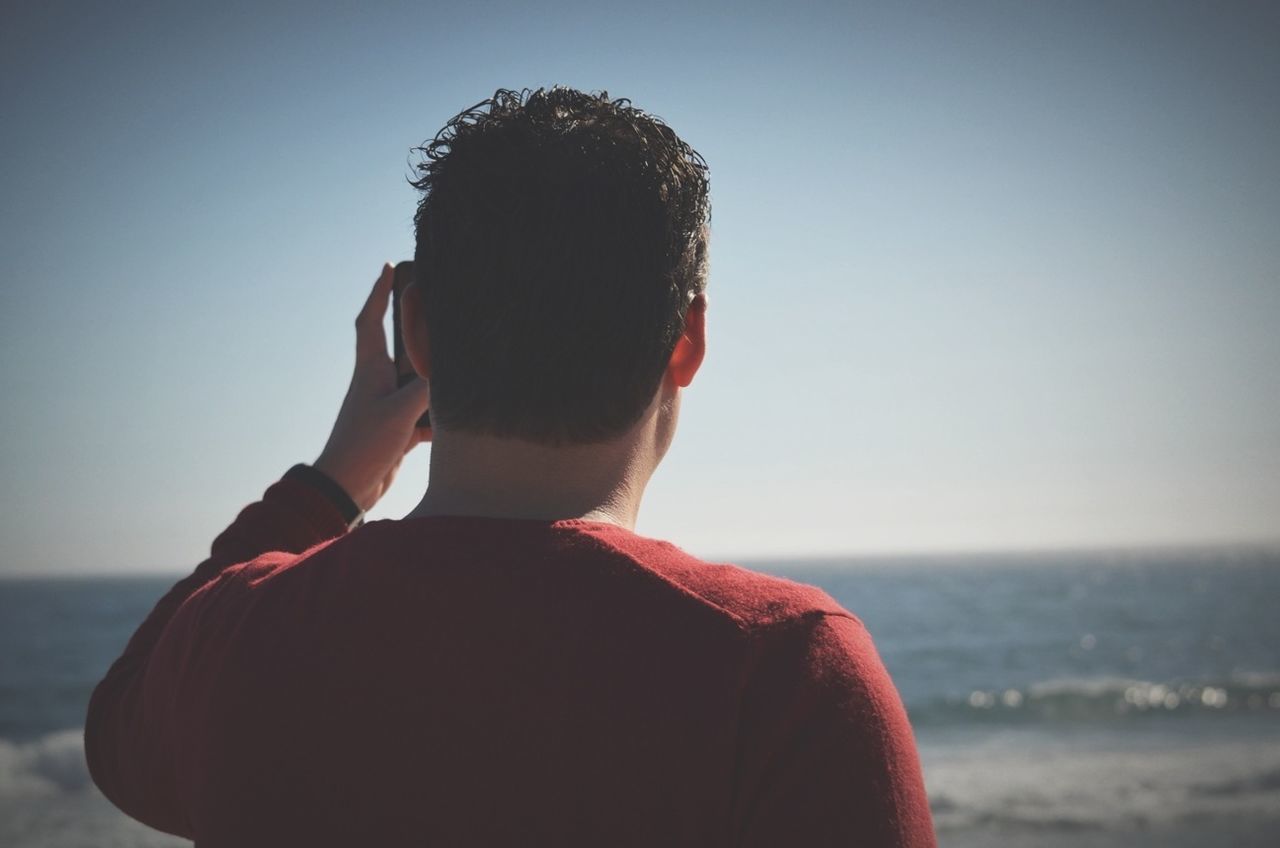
(317,479)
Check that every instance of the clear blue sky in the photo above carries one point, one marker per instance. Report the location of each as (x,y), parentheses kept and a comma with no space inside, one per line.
(983,275)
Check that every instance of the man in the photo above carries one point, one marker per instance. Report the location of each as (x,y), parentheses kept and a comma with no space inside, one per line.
(510,663)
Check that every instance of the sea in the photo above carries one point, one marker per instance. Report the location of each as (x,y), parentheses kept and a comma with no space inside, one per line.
(1096,698)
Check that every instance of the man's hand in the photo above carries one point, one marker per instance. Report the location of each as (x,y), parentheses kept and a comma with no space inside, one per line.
(375,427)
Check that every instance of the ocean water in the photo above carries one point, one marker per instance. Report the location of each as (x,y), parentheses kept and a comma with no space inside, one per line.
(1086,699)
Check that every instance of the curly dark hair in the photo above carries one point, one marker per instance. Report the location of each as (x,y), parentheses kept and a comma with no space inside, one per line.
(560,237)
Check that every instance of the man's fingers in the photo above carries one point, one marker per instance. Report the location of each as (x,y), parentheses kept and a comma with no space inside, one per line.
(414,397)
(371,338)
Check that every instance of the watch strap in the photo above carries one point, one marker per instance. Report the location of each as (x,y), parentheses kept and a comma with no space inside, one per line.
(326,485)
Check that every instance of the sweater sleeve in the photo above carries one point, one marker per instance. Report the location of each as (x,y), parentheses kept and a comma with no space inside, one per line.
(131,733)
(827,755)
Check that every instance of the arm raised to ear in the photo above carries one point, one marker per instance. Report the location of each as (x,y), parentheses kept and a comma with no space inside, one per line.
(138,721)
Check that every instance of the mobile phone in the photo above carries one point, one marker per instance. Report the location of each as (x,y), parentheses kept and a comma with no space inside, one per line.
(404,368)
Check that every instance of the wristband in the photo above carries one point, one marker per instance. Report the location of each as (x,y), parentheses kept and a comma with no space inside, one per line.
(327,486)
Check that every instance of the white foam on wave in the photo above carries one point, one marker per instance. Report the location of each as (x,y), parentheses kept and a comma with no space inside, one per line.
(1091,687)
(1256,679)
(50,765)
(47,800)
(1104,698)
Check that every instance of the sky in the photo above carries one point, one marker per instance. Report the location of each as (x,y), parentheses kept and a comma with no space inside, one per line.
(984,276)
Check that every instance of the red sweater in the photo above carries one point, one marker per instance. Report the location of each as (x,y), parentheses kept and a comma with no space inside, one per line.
(455,681)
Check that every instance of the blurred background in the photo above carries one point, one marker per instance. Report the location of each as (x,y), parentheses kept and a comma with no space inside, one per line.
(993,351)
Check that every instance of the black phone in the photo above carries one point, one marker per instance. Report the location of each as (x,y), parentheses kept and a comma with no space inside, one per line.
(404,368)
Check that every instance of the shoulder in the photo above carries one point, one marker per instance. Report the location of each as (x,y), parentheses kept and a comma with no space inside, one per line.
(832,658)
(754,600)
(238,586)
(826,745)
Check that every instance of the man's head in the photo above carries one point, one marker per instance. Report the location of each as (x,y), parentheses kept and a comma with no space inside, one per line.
(561,240)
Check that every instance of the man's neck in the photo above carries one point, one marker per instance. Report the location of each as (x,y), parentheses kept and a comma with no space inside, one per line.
(511,478)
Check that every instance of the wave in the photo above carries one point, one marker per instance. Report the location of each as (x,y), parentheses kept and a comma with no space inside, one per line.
(1102,699)
(47,799)
(51,765)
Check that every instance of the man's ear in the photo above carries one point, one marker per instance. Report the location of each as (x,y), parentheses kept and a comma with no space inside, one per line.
(691,347)
(413,328)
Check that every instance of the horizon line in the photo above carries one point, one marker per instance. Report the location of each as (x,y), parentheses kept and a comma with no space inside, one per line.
(788,561)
